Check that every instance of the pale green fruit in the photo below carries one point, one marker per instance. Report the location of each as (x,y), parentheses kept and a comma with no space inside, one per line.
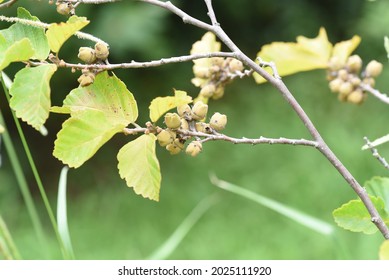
(218,121)
(218,93)
(335,85)
(194,148)
(63,9)
(235,65)
(87,55)
(345,88)
(172,120)
(199,110)
(356,97)
(173,149)
(354,63)
(86,79)
(184,124)
(102,50)
(184,111)
(373,68)
(208,90)
(165,137)
(203,127)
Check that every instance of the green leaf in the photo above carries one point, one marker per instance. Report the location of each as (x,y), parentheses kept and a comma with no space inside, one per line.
(379,187)
(354,216)
(139,166)
(289,57)
(36,35)
(82,135)
(109,95)
(2,129)
(11,51)
(58,33)
(97,112)
(161,105)
(384,250)
(60,110)
(31,94)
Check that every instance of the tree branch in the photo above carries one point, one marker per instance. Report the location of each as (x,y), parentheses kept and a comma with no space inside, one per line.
(39,24)
(134,64)
(376,93)
(8,4)
(375,153)
(278,84)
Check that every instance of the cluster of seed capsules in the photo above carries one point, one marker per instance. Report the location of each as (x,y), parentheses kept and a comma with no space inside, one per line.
(347,78)
(213,76)
(92,56)
(64,8)
(188,118)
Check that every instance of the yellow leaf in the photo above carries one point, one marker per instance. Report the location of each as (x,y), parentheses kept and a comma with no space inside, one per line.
(161,105)
(58,33)
(343,49)
(306,54)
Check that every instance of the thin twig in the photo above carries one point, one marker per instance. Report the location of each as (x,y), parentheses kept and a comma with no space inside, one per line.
(8,4)
(375,153)
(134,64)
(376,93)
(39,24)
(96,2)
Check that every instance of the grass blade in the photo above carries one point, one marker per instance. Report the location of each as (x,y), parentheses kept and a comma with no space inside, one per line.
(7,246)
(62,219)
(168,247)
(295,215)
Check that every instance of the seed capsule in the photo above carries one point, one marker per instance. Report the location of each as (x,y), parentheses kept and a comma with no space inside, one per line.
(201,72)
(218,121)
(373,68)
(184,124)
(102,51)
(194,148)
(86,79)
(335,85)
(87,55)
(199,110)
(334,63)
(166,137)
(63,9)
(184,111)
(345,88)
(203,127)
(172,120)
(219,92)
(354,63)
(235,65)
(208,90)
(356,97)
(173,149)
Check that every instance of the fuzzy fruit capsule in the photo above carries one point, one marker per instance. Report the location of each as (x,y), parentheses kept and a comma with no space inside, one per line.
(354,63)
(172,120)
(184,124)
(102,50)
(356,97)
(199,110)
(184,111)
(173,149)
(194,148)
(373,68)
(63,9)
(345,88)
(201,72)
(235,65)
(86,79)
(203,127)
(87,55)
(219,92)
(165,137)
(208,90)
(335,85)
(218,121)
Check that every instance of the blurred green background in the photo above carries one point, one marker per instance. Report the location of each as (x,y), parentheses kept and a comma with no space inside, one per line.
(108,221)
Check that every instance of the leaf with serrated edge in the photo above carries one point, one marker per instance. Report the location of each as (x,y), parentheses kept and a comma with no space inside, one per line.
(384,250)
(139,166)
(379,187)
(304,55)
(344,49)
(36,35)
(354,216)
(14,51)
(161,105)
(30,93)
(107,94)
(58,33)
(82,135)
